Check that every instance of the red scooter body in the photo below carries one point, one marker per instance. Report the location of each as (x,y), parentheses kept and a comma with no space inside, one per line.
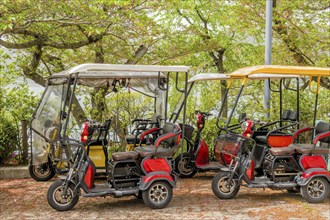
(156,169)
(202,154)
(197,156)
(313,165)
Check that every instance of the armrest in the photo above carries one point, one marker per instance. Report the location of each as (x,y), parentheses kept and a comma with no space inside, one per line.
(165,136)
(152,130)
(140,120)
(320,136)
(299,131)
(281,128)
(269,124)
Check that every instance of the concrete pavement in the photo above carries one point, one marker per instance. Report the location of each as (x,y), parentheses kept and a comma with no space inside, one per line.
(14,172)
(192,199)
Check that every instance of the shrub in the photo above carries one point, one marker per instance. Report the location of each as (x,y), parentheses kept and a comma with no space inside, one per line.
(8,139)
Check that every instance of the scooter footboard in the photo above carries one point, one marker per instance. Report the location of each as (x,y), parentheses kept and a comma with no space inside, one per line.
(152,177)
(309,174)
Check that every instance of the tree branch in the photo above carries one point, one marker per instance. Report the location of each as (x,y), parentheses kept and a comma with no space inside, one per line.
(62,45)
(185,17)
(30,70)
(25,45)
(139,53)
(282,31)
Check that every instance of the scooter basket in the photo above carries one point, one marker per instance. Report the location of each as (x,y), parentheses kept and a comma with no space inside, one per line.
(188,131)
(226,147)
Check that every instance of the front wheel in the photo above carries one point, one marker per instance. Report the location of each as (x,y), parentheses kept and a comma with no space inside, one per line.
(158,195)
(316,190)
(183,167)
(57,200)
(222,189)
(41,172)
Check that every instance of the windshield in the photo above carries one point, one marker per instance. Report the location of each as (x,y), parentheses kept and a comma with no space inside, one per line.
(46,122)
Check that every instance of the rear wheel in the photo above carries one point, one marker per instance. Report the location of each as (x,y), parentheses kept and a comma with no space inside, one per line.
(158,195)
(57,200)
(41,172)
(316,190)
(183,167)
(222,188)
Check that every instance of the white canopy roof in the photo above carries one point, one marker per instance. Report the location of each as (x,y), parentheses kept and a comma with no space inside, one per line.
(221,76)
(209,76)
(106,71)
(100,75)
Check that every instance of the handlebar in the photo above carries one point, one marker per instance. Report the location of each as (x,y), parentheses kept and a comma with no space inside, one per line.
(259,122)
(203,113)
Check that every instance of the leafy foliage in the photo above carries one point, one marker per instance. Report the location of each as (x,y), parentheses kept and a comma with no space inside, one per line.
(210,36)
(16,104)
(8,138)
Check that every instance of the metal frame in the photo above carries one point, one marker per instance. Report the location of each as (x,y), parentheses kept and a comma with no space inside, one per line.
(114,71)
(89,71)
(265,72)
(259,72)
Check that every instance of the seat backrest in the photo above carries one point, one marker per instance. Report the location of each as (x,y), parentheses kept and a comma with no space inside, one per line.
(98,133)
(156,120)
(168,128)
(285,115)
(321,127)
(293,116)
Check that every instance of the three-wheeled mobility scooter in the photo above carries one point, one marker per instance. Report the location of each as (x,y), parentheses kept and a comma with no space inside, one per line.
(197,156)
(285,166)
(145,172)
(50,158)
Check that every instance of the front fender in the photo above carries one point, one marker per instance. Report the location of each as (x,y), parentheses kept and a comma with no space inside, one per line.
(309,174)
(224,168)
(152,177)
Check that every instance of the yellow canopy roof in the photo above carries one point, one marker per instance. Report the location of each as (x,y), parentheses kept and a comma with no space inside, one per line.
(283,70)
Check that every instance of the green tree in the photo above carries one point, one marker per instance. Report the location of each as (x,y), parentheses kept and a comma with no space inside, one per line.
(210,36)
(16,104)
(53,36)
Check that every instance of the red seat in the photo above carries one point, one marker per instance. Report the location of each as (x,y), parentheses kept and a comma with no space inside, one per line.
(170,137)
(290,150)
(308,149)
(298,149)
(125,155)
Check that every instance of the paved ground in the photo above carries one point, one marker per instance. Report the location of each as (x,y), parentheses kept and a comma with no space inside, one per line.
(193,199)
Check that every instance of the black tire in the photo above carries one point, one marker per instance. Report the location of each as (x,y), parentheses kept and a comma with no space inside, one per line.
(42,172)
(158,195)
(220,189)
(316,190)
(55,200)
(181,166)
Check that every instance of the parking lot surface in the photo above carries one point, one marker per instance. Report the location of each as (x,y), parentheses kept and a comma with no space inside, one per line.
(192,199)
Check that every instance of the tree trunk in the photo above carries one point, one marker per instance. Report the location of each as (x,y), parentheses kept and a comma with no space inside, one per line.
(218,61)
(98,95)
